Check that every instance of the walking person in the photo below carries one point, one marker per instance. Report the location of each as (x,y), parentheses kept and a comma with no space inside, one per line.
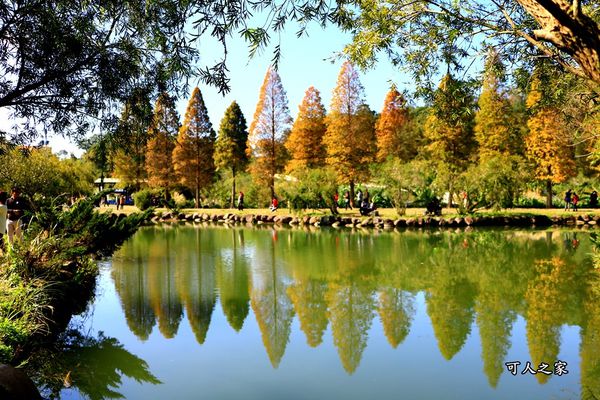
(16,207)
(122,201)
(240,201)
(568,195)
(359,197)
(574,201)
(347,200)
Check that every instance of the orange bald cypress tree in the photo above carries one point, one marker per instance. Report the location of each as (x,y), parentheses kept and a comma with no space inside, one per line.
(268,130)
(391,129)
(350,136)
(305,143)
(162,132)
(194,149)
(548,143)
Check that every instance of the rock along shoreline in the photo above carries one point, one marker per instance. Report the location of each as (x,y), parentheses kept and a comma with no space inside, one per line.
(522,221)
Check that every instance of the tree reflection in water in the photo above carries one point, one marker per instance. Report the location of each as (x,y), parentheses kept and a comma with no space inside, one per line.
(272,306)
(478,281)
(93,366)
(233,282)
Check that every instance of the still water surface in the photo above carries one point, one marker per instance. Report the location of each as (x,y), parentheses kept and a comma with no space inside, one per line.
(189,312)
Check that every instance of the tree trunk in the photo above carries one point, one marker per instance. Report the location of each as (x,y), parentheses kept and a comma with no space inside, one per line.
(333,207)
(197,199)
(272,185)
(548,193)
(273,155)
(197,162)
(450,196)
(233,191)
(564,25)
(352,193)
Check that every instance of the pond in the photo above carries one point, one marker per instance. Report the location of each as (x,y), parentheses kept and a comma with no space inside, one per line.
(187,312)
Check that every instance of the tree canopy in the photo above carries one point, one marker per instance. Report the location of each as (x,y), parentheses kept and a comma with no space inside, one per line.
(423,35)
(131,139)
(391,128)
(64,63)
(194,148)
(159,155)
(231,145)
(269,128)
(350,136)
(493,128)
(305,143)
(548,143)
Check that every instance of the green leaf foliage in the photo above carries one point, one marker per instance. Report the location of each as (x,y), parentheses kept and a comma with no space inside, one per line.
(66,62)
(231,144)
(54,262)
(36,171)
(494,183)
(405,182)
(310,188)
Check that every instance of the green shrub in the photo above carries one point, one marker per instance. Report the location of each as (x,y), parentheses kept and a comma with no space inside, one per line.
(54,260)
(381,198)
(309,188)
(143,199)
(219,193)
(405,183)
(493,183)
(528,202)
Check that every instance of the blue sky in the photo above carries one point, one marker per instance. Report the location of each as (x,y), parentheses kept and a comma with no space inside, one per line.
(305,62)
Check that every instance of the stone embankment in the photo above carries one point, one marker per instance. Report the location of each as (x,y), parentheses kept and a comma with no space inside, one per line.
(382,223)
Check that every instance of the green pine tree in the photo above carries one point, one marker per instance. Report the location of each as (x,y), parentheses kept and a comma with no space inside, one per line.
(231,145)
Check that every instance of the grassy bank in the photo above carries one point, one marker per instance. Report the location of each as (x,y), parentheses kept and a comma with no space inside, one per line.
(51,273)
